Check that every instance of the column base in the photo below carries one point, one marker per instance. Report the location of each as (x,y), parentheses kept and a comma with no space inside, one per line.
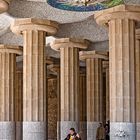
(58,130)
(34,131)
(122,131)
(65,126)
(18,130)
(83,130)
(138,131)
(7,130)
(91,130)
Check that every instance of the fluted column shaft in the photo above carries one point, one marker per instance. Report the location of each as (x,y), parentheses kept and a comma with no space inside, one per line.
(34,85)
(82,100)
(69,89)
(34,71)
(34,75)
(94,89)
(107,95)
(121,21)
(19,104)
(8,67)
(7,90)
(137,70)
(82,97)
(94,81)
(106,82)
(69,55)
(19,96)
(69,84)
(122,76)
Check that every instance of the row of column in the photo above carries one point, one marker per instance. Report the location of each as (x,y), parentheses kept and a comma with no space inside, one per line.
(71,93)
(95,80)
(81,96)
(121,21)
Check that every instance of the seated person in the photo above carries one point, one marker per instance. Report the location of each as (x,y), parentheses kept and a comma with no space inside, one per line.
(72,135)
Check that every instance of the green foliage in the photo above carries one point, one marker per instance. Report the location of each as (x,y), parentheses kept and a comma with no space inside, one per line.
(112,3)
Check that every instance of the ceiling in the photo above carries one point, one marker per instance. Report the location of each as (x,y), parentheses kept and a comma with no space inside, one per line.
(24,8)
(73,24)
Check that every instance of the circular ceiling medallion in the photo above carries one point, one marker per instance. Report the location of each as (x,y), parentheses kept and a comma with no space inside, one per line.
(84,5)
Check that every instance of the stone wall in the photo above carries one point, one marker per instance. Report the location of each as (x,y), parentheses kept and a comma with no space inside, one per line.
(52,109)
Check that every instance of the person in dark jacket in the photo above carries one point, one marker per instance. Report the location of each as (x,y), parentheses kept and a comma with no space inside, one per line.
(72,135)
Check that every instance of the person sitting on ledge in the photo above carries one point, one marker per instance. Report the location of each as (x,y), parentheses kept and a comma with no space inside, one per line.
(72,135)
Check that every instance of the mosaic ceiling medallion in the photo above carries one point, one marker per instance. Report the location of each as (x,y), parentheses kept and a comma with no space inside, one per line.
(84,5)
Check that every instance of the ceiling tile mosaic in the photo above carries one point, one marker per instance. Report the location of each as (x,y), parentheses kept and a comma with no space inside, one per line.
(84,5)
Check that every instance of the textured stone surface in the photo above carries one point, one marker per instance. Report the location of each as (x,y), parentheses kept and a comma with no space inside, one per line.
(91,130)
(99,46)
(34,131)
(7,130)
(87,29)
(65,126)
(10,38)
(122,131)
(83,130)
(18,130)
(52,109)
(138,130)
(24,8)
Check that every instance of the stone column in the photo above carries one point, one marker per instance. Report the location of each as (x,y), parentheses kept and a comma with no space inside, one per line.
(82,100)
(56,69)
(34,75)
(7,90)
(137,70)
(121,21)
(106,68)
(94,90)
(69,53)
(19,104)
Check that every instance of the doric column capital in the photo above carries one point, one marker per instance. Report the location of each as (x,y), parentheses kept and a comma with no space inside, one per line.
(4,5)
(25,24)
(70,42)
(118,12)
(92,55)
(10,49)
